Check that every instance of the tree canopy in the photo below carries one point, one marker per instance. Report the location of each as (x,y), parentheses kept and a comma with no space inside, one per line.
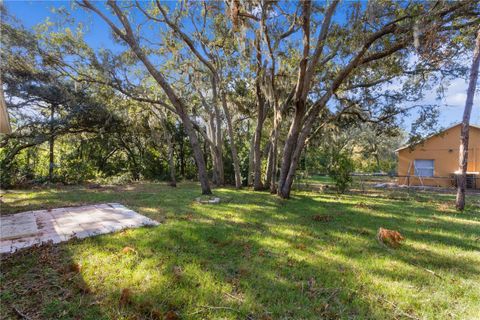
(229,92)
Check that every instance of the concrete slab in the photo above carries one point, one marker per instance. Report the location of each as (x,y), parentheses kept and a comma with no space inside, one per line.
(26,229)
(23,225)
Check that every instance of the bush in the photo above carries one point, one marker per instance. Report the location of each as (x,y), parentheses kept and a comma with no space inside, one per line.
(340,170)
(120,179)
(74,170)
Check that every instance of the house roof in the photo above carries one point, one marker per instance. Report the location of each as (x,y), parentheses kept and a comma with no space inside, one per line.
(435,134)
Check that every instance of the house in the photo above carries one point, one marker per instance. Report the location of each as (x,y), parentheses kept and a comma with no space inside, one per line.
(434,161)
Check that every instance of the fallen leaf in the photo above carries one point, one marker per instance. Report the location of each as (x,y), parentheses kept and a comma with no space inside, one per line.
(391,238)
(128,250)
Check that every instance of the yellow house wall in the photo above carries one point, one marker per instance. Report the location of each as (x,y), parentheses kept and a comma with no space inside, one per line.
(444,150)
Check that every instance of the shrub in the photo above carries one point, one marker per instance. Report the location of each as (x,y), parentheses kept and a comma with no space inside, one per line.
(340,170)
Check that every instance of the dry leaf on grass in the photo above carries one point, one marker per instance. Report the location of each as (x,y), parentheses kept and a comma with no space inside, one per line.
(129,250)
(389,238)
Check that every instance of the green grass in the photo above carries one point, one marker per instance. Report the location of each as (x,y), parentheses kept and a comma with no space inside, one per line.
(316,179)
(253,256)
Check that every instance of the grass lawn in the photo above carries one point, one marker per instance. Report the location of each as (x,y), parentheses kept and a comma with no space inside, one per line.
(315,179)
(253,256)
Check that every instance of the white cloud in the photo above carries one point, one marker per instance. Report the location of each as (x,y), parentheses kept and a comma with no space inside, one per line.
(456,99)
(451,104)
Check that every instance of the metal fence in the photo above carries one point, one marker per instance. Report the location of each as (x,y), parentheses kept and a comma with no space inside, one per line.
(473,181)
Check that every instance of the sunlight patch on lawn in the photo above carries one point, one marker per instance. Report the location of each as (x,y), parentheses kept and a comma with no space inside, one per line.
(260,256)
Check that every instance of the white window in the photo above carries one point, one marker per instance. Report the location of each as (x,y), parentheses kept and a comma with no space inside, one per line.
(424,168)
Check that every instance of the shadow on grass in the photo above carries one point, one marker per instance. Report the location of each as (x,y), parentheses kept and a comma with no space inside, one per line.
(259,257)
(268,260)
(45,283)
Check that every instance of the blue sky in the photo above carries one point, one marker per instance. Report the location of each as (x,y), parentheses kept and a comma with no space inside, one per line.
(31,13)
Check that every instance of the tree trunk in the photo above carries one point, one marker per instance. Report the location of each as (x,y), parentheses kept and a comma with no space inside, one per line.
(251,161)
(284,192)
(274,149)
(289,149)
(197,153)
(133,164)
(236,162)
(181,111)
(171,159)
(464,136)
(181,155)
(377,159)
(6,162)
(257,154)
(171,163)
(214,166)
(287,185)
(270,167)
(211,134)
(51,144)
(217,135)
(300,105)
(180,108)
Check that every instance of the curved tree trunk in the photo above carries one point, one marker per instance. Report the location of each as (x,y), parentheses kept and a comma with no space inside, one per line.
(127,35)
(6,162)
(197,153)
(288,151)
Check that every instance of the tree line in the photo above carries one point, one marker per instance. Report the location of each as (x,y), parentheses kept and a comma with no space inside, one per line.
(232,91)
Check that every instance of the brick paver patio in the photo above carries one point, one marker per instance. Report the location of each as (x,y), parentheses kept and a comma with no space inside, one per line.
(29,228)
